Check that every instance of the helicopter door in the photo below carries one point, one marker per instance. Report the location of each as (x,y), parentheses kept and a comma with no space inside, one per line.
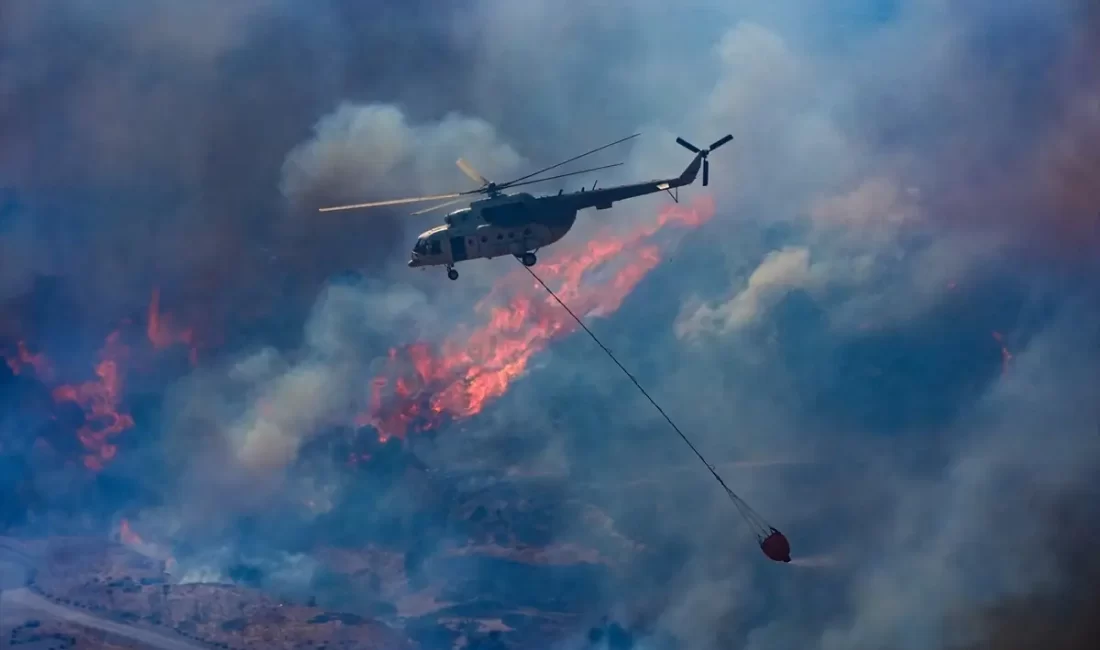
(458,249)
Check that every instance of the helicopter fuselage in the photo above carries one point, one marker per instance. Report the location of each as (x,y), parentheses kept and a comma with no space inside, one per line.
(514,224)
(520,224)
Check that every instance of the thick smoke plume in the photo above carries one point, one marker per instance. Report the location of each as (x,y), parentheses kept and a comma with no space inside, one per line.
(364,148)
(887,329)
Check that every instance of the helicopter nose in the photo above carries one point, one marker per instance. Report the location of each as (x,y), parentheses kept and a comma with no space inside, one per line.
(412,262)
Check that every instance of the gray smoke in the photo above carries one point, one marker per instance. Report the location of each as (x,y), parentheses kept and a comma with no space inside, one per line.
(904,181)
(357,149)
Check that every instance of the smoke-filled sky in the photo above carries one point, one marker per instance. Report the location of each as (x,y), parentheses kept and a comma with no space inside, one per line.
(895,298)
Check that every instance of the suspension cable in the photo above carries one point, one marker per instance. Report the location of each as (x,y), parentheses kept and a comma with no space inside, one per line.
(760,527)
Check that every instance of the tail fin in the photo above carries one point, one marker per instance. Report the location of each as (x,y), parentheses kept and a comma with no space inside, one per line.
(689,174)
(692,170)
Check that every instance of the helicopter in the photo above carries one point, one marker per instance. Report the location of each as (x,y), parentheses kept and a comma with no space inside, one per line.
(520,224)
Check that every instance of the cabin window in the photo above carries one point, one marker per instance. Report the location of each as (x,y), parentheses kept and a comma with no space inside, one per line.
(526,231)
(500,237)
(484,239)
(511,235)
(436,248)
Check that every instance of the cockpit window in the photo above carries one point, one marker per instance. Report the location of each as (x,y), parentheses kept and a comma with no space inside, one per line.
(427,246)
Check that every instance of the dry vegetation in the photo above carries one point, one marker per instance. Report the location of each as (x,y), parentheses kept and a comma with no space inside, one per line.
(114,582)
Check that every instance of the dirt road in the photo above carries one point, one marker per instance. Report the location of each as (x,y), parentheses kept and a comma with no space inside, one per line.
(14,596)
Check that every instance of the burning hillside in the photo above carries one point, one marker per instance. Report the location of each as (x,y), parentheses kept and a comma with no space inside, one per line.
(93,412)
(423,383)
(458,377)
(101,396)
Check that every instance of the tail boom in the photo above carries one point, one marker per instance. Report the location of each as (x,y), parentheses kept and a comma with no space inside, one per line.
(602,199)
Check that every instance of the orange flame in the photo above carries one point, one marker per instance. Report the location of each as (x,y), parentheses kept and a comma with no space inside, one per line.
(161,332)
(25,359)
(127,536)
(471,370)
(100,400)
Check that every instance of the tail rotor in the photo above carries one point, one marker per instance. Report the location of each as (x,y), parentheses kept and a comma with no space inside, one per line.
(704,153)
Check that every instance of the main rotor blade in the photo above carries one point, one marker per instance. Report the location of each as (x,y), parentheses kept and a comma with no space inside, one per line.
(469,170)
(375,204)
(550,178)
(546,169)
(720,142)
(436,207)
(687,145)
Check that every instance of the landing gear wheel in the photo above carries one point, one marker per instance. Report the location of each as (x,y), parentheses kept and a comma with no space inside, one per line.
(452,274)
(528,259)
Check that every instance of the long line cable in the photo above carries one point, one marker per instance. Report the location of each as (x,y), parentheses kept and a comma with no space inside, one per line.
(760,527)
